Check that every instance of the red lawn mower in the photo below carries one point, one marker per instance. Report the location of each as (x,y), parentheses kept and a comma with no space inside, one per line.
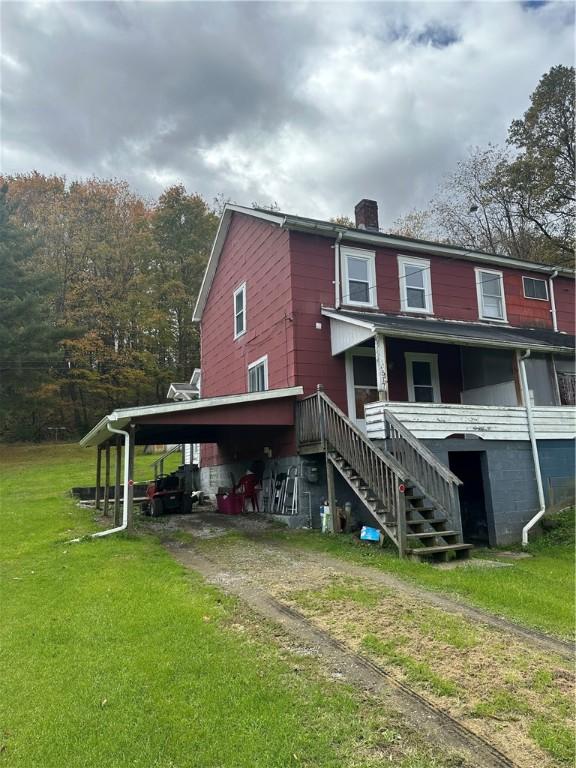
(167,496)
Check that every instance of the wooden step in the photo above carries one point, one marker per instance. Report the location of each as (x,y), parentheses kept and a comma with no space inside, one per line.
(430,534)
(437,550)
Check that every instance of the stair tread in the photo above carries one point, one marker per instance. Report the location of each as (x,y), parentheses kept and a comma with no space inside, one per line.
(443,548)
(429,534)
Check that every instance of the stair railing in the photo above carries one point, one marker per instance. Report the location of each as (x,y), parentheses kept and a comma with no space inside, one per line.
(158,465)
(433,477)
(319,420)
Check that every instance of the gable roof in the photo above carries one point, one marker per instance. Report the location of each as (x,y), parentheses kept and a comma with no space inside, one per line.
(352,234)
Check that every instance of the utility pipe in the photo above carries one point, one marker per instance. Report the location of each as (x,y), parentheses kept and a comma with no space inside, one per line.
(528,405)
(552,299)
(337,270)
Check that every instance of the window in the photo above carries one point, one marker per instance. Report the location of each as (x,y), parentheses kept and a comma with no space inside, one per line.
(415,285)
(240,311)
(422,378)
(359,273)
(258,375)
(361,383)
(535,289)
(490,289)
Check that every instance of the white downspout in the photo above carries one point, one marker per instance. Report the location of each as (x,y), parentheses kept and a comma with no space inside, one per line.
(528,405)
(126,485)
(552,299)
(337,270)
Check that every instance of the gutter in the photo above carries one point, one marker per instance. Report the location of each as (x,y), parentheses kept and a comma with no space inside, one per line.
(552,299)
(528,405)
(337,270)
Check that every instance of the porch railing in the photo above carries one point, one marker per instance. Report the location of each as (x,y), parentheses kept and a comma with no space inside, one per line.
(567,388)
(435,479)
(404,459)
(321,421)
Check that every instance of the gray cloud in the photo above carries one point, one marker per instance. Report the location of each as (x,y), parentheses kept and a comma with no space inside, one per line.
(312,105)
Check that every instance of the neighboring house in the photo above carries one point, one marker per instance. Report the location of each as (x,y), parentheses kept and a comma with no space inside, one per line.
(187,390)
(456,365)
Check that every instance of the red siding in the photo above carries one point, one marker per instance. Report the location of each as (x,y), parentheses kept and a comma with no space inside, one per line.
(313,286)
(454,290)
(565,308)
(255,252)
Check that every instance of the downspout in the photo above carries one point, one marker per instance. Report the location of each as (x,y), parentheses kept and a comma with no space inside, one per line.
(126,484)
(337,270)
(528,405)
(552,299)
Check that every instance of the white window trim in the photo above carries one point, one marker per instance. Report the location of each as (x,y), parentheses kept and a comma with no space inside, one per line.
(241,289)
(370,258)
(422,357)
(261,360)
(424,265)
(539,280)
(480,297)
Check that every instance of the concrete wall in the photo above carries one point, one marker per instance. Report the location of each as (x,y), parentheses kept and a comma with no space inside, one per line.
(557,462)
(510,485)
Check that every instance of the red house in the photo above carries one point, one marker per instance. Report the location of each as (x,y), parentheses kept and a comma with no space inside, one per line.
(447,383)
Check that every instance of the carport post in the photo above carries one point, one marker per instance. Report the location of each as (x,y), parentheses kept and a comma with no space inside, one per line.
(117,512)
(107,480)
(130,489)
(98,476)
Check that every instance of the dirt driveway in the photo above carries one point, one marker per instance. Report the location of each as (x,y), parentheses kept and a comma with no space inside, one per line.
(496,693)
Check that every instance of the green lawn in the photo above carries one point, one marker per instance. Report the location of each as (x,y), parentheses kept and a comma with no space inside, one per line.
(536,591)
(112,655)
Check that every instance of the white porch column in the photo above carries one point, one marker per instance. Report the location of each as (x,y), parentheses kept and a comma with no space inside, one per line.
(381,366)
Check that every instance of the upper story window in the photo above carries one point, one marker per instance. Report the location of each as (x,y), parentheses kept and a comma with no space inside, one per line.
(240,310)
(359,277)
(535,289)
(415,285)
(258,375)
(490,290)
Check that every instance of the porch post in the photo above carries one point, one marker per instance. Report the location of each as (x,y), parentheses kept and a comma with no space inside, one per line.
(517,382)
(381,366)
(335,523)
(107,479)
(130,490)
(98,476)
(118,454)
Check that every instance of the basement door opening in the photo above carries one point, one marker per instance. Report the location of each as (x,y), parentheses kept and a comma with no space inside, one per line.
(470,467)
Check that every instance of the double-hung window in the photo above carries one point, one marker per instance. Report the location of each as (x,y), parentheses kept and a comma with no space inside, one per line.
(359,277)
(240,310)
(415,285)
(535,288)
(490,290)
(258,375)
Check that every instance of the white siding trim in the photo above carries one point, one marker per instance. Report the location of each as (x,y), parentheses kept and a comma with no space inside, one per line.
(370,258)
(480,296)
(261,361)
(424,265)
(241,289)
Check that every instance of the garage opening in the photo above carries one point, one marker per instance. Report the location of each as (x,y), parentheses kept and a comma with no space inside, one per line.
(470,467)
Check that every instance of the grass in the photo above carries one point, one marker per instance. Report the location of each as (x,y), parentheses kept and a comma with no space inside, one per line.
(416,671)
(537,591)
(112,654)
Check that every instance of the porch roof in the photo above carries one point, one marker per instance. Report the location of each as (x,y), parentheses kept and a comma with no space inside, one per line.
(206,420)
(455,332)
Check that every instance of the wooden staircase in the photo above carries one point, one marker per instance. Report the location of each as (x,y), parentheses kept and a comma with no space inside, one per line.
(412,496)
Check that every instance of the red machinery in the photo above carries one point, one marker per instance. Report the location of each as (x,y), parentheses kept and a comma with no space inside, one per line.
(167,496)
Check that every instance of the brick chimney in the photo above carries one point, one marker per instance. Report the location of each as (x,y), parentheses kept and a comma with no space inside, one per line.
(366,214)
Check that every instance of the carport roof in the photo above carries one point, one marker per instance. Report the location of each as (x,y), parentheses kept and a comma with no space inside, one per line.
(200,420)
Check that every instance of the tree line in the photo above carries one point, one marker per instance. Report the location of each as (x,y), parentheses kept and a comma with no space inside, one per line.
(97,284)
(97,288)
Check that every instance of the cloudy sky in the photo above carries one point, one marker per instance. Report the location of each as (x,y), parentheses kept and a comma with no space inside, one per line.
(311,105)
